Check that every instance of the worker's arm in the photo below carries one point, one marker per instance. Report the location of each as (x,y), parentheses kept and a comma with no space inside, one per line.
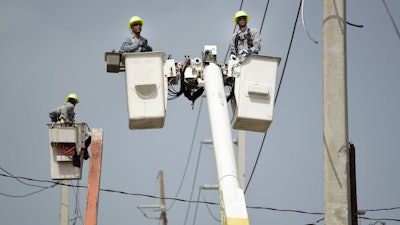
(131,44)
(256,41)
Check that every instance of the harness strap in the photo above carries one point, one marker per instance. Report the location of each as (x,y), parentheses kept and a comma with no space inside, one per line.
(248,38)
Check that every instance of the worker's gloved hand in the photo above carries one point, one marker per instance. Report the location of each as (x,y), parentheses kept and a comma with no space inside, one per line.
(246,52)
(146,48)
(142,43)
(62,121)
(232,55)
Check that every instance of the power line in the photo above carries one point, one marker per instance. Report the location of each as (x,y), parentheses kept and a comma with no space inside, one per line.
(197,201)
(391,18)
(190,154)
(277,93)
(193,184)
(234,29)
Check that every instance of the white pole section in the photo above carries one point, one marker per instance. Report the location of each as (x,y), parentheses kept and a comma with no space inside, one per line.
(64,202)
(232,196)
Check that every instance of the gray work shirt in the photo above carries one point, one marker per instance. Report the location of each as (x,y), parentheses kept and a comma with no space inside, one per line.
(132,43)
(65,112)
(242,41)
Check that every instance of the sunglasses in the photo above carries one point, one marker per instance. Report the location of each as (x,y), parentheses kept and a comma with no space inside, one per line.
(136,24)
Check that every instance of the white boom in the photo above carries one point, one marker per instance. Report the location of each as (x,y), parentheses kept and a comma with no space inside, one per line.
(231,195)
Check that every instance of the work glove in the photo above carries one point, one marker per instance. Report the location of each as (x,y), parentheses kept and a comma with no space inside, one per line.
(246,52)
(146,48)
(62,121)
(232,55)
(142,43)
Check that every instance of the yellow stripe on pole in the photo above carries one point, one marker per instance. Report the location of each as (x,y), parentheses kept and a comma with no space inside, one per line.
(237,221)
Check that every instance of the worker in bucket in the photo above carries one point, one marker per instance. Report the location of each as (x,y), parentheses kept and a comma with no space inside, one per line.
(65,113)
(245,41)
(135,42)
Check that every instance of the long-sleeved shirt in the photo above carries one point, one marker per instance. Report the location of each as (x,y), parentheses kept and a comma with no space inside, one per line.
(239,41)
(65,112)
(132,43)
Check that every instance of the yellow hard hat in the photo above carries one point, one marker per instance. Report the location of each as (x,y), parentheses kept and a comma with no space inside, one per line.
(135,19)
(239,14)
(73,96)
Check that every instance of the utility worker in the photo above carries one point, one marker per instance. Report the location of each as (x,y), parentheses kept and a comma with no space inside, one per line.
(245,41)
(65,113)
(135,42)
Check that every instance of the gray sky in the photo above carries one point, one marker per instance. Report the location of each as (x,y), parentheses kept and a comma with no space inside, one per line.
(52,48)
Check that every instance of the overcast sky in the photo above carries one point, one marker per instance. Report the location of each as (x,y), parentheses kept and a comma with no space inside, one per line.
(52,48)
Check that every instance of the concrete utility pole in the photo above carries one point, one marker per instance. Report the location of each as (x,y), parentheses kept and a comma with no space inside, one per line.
(64,202)
(335,130)
(92,199)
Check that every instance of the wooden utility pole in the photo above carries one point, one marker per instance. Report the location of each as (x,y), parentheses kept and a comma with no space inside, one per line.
(335,128)
(92,201)
(353,185)
(162,198)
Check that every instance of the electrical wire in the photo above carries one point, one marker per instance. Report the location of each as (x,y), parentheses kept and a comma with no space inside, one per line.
(379,219)
(265,13)
(194,182)
(304,24)
(42,188)
(196,210)
(234,29)
(209,210)
(190,201)
(189,156)
(77,210)
(391,18)
(277,93)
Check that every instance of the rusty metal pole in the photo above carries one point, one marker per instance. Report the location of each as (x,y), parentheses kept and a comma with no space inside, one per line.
(92,201)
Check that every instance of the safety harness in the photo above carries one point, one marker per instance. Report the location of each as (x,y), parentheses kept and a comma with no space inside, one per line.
(246,36)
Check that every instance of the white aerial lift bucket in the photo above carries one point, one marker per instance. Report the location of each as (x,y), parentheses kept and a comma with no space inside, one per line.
(64,143)
(146,88)
(253,104)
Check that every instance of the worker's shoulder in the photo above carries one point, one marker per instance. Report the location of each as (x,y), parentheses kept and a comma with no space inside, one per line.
(253,30)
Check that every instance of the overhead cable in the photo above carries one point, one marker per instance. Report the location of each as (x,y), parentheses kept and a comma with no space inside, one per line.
(277,93)
(193,184)
(190,154)
(190,201)
(304,24)
(391,18)
(234,29)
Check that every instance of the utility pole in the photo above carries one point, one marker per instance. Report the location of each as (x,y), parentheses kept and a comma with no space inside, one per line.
(162,199)
(160,207)
(92,199)
(64,202)
(335,128)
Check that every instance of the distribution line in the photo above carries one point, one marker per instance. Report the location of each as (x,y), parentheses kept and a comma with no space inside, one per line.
(277,93)
(189,201)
